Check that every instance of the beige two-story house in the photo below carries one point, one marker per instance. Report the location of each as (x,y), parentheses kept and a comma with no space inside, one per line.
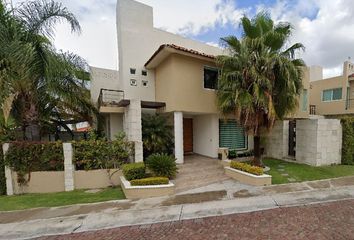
(171,75)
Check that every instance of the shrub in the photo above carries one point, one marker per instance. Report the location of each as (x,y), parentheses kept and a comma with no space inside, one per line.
(27,157)
(2,173)
(99,153)
(162,165)
(232,154)
(149,181)
(348,141)
(132,171)
(157,135)
(246,168)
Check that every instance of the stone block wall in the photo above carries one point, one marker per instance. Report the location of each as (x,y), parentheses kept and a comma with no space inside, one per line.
(133,128)
(276,143)
(318,141)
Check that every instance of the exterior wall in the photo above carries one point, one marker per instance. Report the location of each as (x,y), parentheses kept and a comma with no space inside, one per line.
(41,182)
(96,178)
(133,128)
(316,73)
(116,124)
(206,135)
(134,25)
(319,142)
(103,78)
(300,113)
(276,143)
(180,83)
(333,107)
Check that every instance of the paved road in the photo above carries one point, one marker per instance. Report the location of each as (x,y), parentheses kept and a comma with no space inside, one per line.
(333,220)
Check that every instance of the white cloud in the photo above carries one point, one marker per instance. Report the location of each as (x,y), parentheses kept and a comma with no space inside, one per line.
(328,37)
(193,17)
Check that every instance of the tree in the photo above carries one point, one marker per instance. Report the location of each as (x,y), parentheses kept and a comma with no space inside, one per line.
(157,135)
(39,85)
(260,79)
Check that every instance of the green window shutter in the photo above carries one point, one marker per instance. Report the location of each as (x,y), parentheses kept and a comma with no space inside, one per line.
(231,135)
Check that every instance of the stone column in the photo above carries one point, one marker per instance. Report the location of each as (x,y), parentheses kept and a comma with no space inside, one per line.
(178,130)
(133,127)
(69,167)
(8,173)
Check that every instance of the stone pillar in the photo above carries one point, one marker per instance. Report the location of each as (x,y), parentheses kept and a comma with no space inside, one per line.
(276,144)
(319,141)
(178,130)
(133,128)
(8,173)
(69,167)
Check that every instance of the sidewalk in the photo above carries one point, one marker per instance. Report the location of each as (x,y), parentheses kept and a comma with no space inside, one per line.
(214,200)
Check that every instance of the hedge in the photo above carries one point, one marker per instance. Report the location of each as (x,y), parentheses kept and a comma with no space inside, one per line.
(348,140)
(149,181)
(27,157)
(134,171)
(101,153)
(246,168)
(2,173)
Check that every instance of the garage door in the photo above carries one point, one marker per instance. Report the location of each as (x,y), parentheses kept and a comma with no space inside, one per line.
(232,135)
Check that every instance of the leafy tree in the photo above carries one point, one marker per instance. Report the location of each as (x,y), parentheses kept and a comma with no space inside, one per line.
(260,78)
(40,86)
(157,135)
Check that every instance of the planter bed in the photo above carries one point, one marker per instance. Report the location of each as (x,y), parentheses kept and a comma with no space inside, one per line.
(136,192)
(248,178)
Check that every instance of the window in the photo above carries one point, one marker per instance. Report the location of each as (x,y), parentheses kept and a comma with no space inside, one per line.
(133,82)
(210,78)
(304,100)
(332,94)
(145,83)
(232,135)
(132,71)
(144,73)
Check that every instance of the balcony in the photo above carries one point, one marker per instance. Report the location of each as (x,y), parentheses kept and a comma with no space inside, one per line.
(349,104)
(111,100)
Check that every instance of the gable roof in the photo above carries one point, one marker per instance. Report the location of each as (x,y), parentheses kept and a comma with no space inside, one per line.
(172,48)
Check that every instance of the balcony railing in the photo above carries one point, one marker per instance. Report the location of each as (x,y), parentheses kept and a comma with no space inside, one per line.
(312,109)
(109,97)
(349,104)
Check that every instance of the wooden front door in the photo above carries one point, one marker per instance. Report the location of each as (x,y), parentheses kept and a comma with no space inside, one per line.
(292,138)
(188,135)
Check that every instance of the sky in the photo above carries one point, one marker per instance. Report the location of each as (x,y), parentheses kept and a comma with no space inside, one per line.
(325,27)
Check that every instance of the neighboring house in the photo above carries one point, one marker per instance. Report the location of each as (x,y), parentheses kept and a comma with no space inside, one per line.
(334,96)
(172,75)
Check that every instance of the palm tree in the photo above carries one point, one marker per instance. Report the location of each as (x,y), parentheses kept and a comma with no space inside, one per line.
(260,78)
(38,84)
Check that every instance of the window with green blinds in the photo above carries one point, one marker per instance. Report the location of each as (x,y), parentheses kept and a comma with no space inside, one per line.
(232,135)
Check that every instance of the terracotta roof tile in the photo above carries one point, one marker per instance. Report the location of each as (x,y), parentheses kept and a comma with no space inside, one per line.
(179,48)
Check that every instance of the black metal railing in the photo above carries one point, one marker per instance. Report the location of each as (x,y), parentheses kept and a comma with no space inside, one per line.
(349,104)
(312,109)
(110,97)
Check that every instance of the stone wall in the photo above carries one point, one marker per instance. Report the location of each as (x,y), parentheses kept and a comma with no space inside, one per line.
(276,142)
(318,141)
(133,128)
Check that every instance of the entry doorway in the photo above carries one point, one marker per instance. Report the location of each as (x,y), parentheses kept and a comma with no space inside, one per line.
(188,135)
(292,138)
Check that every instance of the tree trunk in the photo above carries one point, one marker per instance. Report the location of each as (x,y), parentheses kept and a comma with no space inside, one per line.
(31,120)
(257,161)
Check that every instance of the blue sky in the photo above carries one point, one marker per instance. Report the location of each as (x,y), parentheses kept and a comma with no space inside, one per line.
(325,27)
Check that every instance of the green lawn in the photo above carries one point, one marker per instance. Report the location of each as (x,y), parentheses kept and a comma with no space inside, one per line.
(26,201)
(303,172)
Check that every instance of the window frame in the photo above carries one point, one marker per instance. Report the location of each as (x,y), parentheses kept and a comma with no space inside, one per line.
(203,77)
(332,91)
